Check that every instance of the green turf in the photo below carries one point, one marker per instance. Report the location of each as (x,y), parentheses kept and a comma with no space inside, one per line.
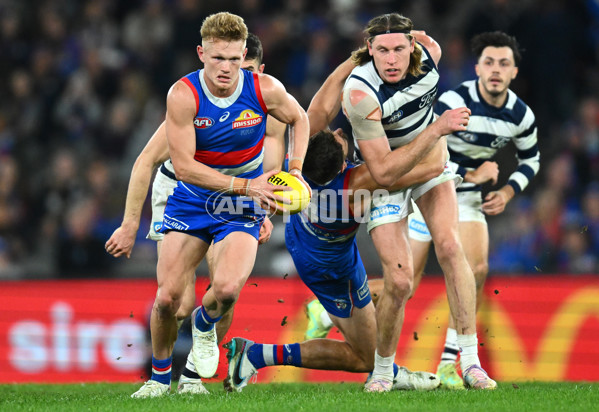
(342,397)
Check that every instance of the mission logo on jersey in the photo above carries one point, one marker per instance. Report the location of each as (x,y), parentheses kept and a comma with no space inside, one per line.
(247,118)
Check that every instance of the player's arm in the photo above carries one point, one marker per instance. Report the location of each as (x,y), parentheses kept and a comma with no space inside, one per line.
(327,101)
(431,166)
(431,45)
(488,171)
(386,165)
(274,144)
(283,107)
(154,153)
(528,166)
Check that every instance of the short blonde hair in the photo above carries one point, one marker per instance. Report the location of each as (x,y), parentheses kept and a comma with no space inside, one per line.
(389,23)
(224,26)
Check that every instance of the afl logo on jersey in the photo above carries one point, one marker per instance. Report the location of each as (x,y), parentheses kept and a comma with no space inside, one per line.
(247,118)
(203,122)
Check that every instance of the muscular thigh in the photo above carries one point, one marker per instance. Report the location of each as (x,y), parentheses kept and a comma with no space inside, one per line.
(233,258)
(180,254)
(439,209)
(475,242)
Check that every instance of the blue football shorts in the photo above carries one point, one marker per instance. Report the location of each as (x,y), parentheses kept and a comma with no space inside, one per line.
(339,286)
(210,220)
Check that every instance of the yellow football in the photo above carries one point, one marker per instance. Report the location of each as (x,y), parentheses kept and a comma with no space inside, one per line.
(299,196)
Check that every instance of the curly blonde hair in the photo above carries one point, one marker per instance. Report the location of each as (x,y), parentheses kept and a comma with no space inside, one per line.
(224,26)
(394,23)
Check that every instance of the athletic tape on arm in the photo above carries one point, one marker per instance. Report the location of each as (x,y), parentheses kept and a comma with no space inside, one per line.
(364,129)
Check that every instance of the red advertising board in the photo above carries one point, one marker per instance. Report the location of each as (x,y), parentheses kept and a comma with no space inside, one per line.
(537,328)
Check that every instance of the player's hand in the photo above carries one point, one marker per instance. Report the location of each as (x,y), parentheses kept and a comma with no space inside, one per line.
(265,231)
(263,194)
(121,242)
(298,174)
(496,201)
(488,171)
(454,120)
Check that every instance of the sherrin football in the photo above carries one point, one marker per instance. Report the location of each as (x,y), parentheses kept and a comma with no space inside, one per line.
(299,196)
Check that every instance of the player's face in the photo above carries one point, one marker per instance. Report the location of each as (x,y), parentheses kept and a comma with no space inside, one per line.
(222,60)
(496,69)
(391,54)
(252,65)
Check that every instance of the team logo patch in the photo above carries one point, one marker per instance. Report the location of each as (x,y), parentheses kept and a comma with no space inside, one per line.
(340,303)
(157,226)
(247,118)
(203,122)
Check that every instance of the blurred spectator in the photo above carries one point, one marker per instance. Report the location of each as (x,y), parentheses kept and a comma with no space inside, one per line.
(85,83)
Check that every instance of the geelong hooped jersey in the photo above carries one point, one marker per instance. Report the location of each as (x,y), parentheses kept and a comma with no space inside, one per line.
(407,105)
(326,229)
(489,129)
(229,132)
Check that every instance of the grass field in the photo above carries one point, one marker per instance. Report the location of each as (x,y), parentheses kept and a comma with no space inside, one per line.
(342,397)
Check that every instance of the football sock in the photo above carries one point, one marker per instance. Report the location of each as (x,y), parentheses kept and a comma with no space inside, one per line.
(451,349)
(203,321)
(262,355)
(325,319)
(383,366)
(161,370)
(190,369)
(468,351)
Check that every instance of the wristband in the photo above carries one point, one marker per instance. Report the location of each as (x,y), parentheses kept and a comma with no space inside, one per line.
(231,190)
(241,189)
(296,163)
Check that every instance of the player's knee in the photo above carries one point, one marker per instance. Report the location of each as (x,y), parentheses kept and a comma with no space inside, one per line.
(400,287)
(226,293)
(167,303)
(481,271)
(447,248)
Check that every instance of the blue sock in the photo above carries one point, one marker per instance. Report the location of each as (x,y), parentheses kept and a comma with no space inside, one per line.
(203,321)
(161,370)
(262,355)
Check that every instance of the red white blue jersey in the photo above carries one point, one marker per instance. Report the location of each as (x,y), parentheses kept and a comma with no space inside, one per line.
(326,229)
(229,131)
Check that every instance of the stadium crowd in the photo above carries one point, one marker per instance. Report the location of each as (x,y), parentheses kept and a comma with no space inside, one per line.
(83,86)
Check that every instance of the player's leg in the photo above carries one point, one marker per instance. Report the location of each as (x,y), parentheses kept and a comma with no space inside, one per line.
(420,252)
(475,241)
(391,242)
(439,208)
(180,255)
(234,258)
(420,243)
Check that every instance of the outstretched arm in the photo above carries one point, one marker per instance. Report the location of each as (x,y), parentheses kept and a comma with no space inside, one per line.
(431,45)
(327,101)
(154,153)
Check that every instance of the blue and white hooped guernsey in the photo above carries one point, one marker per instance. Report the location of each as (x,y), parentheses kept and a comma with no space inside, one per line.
(407,105)
(489,129)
